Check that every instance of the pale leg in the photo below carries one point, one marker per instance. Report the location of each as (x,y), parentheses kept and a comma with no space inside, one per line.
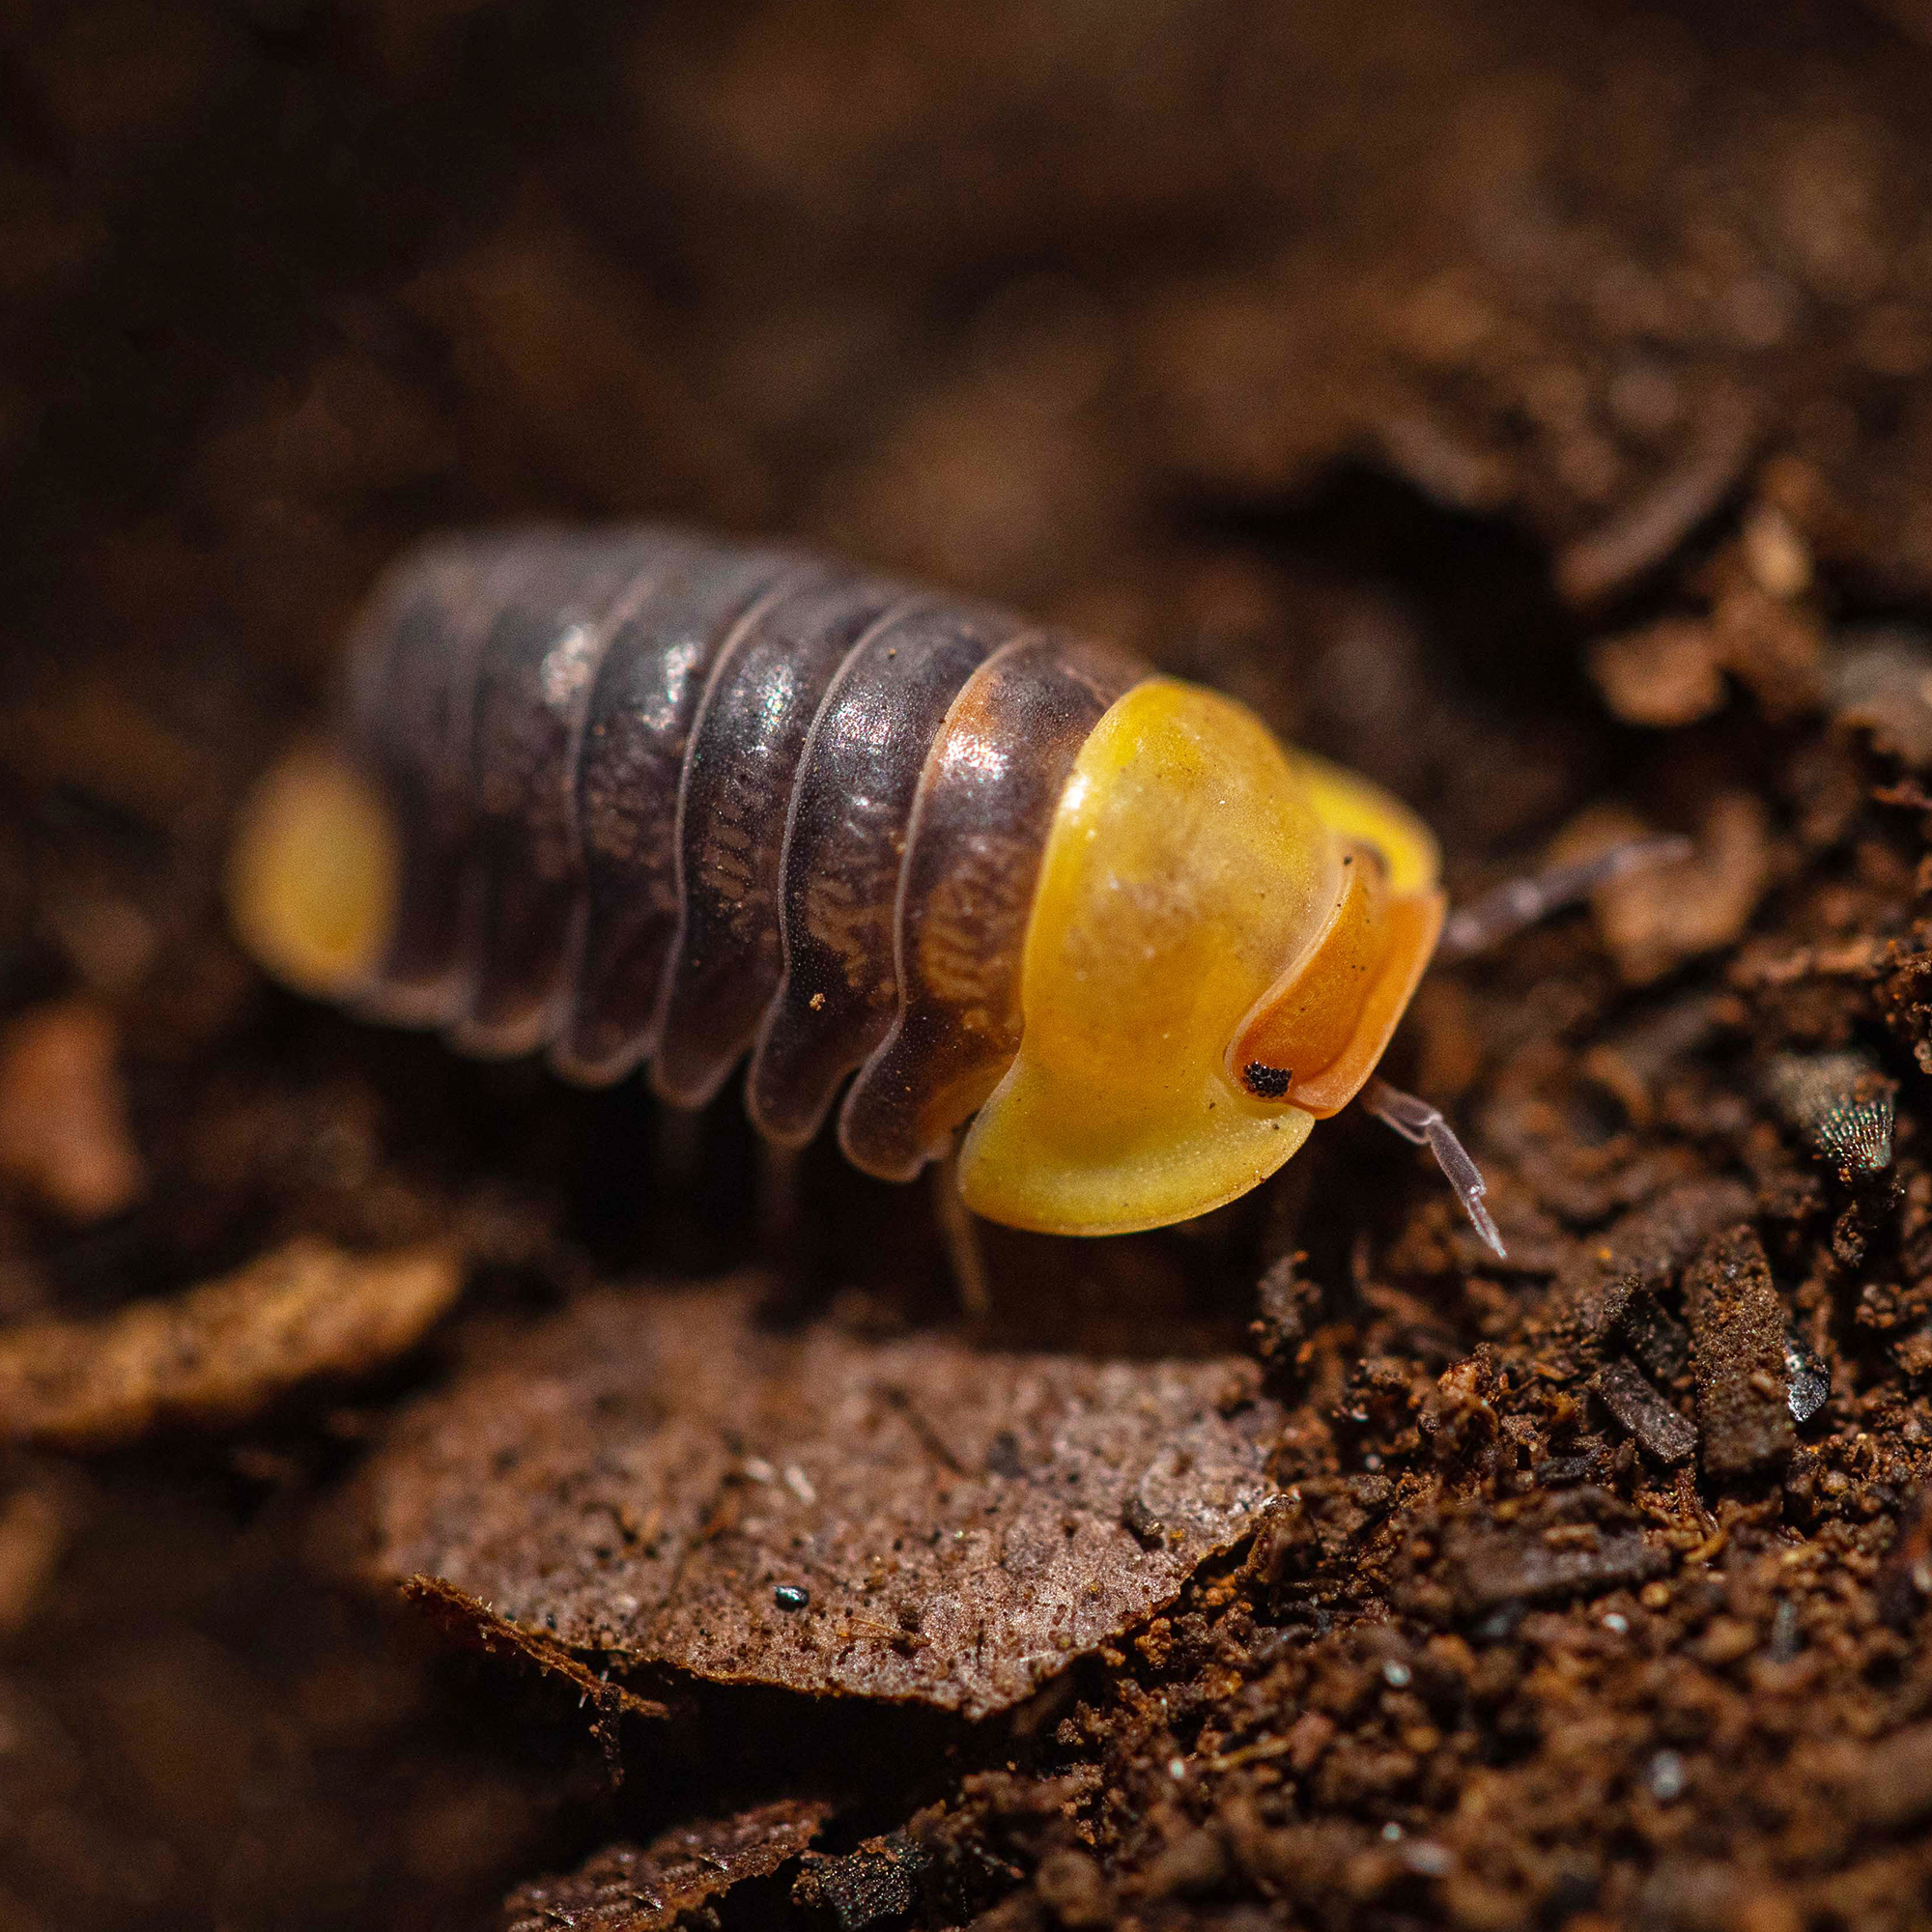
(1416,1120)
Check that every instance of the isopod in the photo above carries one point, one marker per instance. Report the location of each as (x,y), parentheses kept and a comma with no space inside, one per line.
(643,796)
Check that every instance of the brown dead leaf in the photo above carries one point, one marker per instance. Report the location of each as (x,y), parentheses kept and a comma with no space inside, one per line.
(474,1626)
(653,1887)
(222,1352)
(657,1478)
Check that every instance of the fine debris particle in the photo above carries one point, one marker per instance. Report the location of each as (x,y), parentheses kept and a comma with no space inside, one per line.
(1288,1307)
(1602,1290)
(1840,1105)
(671,1881)
(1629,1396)
(220,1352)
(1556,1544)
(1809,1379)
(1147,1528)
(879,1880)
(1737,1346)
(64,1133)
(611,1471)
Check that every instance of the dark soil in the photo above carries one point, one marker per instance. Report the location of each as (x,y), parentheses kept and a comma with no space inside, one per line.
(1528,406)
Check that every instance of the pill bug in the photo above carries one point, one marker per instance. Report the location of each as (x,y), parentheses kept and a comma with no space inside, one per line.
(640,797)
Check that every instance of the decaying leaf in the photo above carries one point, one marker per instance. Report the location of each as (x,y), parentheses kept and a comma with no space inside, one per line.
(657,1478)
(653,1887)
(473,1626)
(222,1352)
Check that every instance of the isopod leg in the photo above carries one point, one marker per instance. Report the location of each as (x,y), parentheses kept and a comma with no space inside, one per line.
(1415,1119)
(965,1254)
(1498,915)
(778,1212)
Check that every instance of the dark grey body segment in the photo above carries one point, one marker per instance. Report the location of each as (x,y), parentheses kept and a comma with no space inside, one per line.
(413,707)
(641,709)
(534,681)
(739,777)
(660,797)
(986,800)
(851,809)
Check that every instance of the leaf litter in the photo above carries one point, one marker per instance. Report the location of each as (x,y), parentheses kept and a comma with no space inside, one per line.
(656,1479)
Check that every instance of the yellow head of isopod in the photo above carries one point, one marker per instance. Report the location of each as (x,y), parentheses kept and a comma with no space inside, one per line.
(1223,937)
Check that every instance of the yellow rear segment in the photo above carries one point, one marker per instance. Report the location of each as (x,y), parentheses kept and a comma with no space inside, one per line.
(1193,870)
(313,875)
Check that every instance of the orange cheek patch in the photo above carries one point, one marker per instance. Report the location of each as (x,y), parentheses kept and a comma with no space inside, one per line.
(1315,1037)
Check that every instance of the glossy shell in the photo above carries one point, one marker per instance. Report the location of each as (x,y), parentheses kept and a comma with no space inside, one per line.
(644,797)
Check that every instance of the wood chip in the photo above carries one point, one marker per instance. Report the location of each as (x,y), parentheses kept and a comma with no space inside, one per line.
(1559,1543)
(1600,1292)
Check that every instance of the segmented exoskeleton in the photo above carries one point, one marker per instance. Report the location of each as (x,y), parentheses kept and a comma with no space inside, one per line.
(644,796)
(665,798)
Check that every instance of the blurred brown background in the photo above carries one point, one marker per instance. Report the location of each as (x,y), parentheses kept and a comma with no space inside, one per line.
(1017,298)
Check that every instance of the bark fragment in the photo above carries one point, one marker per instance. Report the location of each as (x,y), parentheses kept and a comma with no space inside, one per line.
(1738,1352)
(1629,1395)
(1606,1282)
(1556,1544)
